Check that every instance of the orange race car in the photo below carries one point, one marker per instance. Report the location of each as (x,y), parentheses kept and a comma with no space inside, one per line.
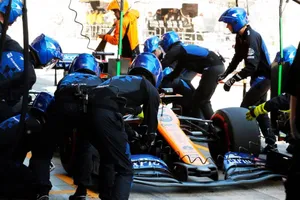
(175,159)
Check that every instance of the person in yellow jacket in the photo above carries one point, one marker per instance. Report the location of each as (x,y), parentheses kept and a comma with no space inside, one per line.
(130,41)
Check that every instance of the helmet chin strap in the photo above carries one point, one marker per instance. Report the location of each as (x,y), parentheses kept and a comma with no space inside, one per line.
(161,56)
(242,30)
(34,57)
(2,19)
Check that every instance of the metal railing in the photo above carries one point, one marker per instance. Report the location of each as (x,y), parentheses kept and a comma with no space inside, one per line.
(92,31)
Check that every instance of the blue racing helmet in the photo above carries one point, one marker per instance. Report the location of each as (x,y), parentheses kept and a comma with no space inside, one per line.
(15,11)
(11,63)
(85,63)
(151,44)
(47,51)
(167,71)
(236,17)
(289,54)
(168,39)
(42,101)
(147,65)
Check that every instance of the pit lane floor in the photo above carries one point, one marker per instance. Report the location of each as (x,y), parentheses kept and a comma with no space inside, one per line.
(267,190)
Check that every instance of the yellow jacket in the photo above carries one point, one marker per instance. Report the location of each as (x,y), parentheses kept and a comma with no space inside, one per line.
(130,19)
(99,18)
(89,18)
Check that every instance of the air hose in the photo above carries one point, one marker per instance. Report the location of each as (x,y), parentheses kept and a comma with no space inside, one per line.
(82,26)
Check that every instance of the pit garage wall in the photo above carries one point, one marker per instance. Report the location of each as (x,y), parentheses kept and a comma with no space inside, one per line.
(56,20)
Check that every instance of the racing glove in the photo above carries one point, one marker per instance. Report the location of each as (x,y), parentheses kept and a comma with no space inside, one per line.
(255,111)
(230,82)
(132,134)
(136,136)
(222,77)
(137,110)
(167,79)
(151,138)
(141,115)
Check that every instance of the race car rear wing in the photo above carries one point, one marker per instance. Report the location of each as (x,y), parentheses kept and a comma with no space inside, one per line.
(67,60)
(69,57)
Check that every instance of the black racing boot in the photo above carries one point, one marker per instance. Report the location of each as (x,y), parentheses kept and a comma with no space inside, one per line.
(52,166)
(270,140)
(268,148)
(290,148)
(75,197)
(80,193)
(42,197)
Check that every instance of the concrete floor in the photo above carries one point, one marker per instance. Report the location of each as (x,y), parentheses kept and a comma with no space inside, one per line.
(268,190)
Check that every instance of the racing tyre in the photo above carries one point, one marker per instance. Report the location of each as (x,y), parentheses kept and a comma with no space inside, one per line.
(67,155)
(235,133)
(67,152)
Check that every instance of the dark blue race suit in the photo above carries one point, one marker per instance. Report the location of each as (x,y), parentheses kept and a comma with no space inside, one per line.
(13,174)
(108,131)
(251,48)
(138,92)
(64,115)
(12,81)
(293,88)
(202,61)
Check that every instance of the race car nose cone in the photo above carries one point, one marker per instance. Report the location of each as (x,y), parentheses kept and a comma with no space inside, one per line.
(203,169)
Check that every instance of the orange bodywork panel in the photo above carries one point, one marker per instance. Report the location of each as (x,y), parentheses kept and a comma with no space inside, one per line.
(169,128)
